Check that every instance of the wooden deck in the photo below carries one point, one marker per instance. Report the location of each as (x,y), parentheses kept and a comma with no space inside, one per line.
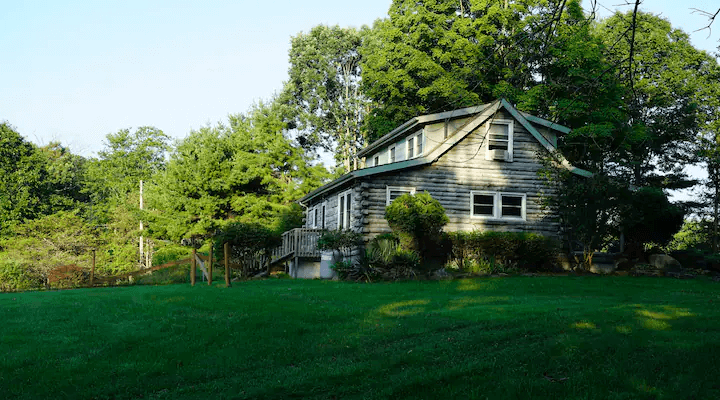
(298,242)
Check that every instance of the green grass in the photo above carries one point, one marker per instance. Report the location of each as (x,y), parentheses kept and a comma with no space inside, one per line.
(492,338)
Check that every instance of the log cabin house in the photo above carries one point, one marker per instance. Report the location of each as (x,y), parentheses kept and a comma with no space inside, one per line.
(481,163)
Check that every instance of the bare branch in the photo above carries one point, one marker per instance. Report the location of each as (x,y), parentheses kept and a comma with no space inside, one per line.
(710,16)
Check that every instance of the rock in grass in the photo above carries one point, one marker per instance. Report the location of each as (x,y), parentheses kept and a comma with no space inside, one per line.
(665,263)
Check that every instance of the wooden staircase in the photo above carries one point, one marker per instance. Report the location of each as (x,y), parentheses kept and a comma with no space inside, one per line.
(297,243)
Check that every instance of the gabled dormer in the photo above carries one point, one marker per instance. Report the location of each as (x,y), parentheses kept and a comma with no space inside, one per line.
(426,137)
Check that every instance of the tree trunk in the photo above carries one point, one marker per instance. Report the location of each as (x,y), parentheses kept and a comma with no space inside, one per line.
(715,220)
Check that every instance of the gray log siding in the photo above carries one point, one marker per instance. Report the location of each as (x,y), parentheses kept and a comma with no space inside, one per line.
(464,169)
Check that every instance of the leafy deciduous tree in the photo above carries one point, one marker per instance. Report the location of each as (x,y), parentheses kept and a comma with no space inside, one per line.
(326,103)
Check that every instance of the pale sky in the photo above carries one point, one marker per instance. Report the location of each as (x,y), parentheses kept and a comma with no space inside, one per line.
(74,71)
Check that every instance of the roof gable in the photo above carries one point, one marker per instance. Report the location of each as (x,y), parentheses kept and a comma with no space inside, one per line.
(482,114)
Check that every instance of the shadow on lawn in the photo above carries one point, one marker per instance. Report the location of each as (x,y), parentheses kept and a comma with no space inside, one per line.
(545,344)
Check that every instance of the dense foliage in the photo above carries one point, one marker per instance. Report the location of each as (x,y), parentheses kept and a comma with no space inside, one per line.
(246,170)
(417,220)
(248,243)
(502,251)
(338,240)
(325,103)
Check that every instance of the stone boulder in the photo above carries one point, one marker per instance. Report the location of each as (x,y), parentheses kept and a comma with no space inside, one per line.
(665,263)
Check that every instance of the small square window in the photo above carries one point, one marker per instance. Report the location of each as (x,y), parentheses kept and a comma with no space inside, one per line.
(393,192)
(484,204)
(512,206)
(499,138)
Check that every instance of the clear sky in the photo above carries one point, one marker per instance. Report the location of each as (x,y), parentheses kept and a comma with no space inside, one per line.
(74,71)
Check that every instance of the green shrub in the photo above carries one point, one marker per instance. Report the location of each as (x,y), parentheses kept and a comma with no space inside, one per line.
(417,220)
(336,240)
(492,252)
(347,270)
(14,277)
(389,260)
(248,242)
(169,253)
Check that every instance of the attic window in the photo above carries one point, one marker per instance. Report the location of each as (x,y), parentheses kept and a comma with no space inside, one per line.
(376,161)
(499,140)
(391,154)
(415,145)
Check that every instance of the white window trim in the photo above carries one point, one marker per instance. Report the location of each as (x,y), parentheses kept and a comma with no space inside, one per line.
(388,189)
(510,124)
(497,205)
(376,160)
(415,137)
(339,211)
(392,149)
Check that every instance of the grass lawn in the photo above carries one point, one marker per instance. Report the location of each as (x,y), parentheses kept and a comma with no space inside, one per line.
(490,338)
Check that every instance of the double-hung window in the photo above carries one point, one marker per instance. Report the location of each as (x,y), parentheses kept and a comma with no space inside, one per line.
(415,145)
(498,205)
(393,192)
(391,154)
(499,140)
(316,216)
(344,209)
(376,160)
(311,217)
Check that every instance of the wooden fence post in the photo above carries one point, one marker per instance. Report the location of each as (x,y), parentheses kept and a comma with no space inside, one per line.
(92,270)
(193,266)
(210,265)
(227,264)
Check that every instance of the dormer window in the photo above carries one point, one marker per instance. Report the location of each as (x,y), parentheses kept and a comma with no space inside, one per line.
(499,140)
(415,145)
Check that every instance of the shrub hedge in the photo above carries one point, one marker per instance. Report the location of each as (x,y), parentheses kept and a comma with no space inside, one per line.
(508,250)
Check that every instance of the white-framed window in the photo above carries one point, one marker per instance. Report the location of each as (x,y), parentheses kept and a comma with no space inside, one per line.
(393,192)
(499,139)
(391,154)
(415,145)
(311,212)
(376,160)
(498,205)
(322,218)
(344,209)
